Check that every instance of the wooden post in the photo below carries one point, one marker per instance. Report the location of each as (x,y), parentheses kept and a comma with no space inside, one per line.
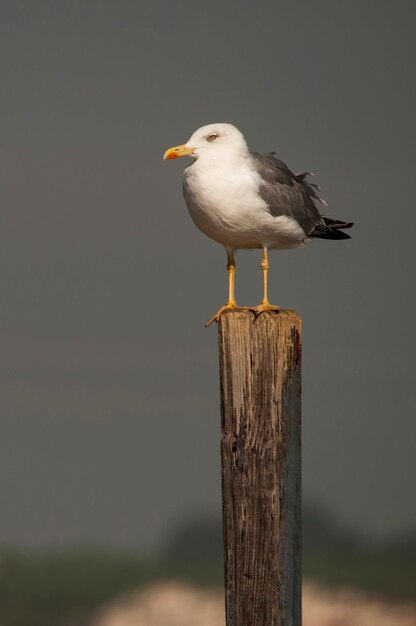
(260,372)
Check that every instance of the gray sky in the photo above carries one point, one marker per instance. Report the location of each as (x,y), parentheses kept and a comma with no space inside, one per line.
(109,398)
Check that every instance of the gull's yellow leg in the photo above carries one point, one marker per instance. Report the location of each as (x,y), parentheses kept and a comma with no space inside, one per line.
(231,303)
(265,305)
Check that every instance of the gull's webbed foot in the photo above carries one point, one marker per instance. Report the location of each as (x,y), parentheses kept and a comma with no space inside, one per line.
(230,306)
(263,307)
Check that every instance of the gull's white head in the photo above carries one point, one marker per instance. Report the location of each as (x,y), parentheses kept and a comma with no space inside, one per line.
(211,140)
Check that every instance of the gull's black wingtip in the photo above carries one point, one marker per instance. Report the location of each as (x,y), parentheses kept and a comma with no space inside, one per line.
(331,229)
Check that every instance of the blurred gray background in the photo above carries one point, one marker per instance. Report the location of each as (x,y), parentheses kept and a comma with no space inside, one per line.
(109,395)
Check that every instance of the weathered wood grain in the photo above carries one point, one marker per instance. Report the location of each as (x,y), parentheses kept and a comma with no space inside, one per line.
(260,373)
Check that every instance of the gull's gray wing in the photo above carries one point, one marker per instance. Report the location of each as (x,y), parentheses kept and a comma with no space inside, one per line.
(286,193)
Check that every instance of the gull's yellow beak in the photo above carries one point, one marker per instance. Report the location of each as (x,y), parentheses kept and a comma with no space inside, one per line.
(178,151)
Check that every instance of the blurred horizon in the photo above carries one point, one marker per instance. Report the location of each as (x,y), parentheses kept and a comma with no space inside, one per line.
(71,585)
(199,535)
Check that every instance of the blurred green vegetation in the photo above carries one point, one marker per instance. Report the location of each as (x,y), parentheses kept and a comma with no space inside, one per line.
(64,588)
(382,572)
(49,589)
(337,556)
(332,555)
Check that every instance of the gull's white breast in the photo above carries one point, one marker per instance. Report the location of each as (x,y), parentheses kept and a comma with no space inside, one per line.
(224,203)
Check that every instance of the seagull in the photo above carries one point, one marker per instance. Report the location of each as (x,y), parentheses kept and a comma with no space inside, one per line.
(247,200)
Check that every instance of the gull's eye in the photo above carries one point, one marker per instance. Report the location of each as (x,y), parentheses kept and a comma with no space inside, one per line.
(212,137)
